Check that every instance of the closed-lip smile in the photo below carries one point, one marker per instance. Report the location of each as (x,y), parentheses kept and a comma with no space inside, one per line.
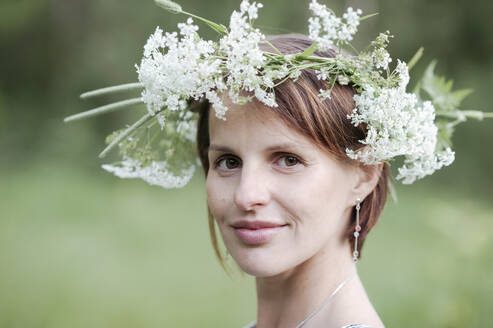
(256,232)
(256,224)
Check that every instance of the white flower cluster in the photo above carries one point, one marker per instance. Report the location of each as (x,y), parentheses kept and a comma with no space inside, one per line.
(157,173)
(187,126)
(180,67)
(398,125)
(403,73)
(417,168)
(244,59)
(326,28)
(380,56)
(175,69)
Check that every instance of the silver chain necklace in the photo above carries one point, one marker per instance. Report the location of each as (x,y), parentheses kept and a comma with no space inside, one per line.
(324,303)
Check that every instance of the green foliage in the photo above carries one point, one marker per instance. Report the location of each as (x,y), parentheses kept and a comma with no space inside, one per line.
(170,6)
(440,91)
(447,103)
(153,143)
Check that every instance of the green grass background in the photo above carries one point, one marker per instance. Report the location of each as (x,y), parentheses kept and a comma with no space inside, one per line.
(83,249)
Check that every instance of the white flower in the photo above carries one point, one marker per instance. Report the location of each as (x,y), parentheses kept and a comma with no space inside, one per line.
(179,67)
(187,125)
(381,58)
(324,94)
(343,80)
(156,173)
(403,72)
(244,57)
(155,41)
(161,119)
(327,29)
(176,68)
(251,9)
(397,125)
(414,169)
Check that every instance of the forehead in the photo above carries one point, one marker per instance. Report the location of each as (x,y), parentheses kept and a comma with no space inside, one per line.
(255,124)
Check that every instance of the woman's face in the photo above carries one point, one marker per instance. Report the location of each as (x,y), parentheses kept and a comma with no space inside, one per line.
(262,171)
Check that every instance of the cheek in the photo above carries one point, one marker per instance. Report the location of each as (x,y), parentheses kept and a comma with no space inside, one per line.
(316,201)
(219,195)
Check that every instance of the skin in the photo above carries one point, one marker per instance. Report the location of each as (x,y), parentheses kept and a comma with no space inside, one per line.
(260,169)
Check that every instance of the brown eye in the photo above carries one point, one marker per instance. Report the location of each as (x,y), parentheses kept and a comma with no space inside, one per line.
(228,163)
(290,160)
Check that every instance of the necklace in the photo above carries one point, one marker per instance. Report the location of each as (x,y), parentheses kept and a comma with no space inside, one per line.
(324,303)
(311,315)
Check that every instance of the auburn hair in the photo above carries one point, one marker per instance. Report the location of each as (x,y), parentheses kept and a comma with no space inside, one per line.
(325,122)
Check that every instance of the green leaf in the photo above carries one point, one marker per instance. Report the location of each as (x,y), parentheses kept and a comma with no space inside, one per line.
(104,109)
(113,89)
(170,6)
(444,136)
(308,51)
(440,90)
(144,119)
(367,16)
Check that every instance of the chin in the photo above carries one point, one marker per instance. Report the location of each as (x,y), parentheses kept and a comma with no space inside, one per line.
(258,263)
(259,271)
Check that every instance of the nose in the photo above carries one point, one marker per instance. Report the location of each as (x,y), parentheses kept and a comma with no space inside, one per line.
(252,191)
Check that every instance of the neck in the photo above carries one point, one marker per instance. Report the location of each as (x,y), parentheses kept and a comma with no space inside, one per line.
(284,300)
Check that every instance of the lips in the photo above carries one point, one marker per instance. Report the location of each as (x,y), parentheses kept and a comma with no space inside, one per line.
(256,224)
(256,232)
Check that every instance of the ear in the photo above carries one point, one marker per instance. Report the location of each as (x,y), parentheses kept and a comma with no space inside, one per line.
(366,179)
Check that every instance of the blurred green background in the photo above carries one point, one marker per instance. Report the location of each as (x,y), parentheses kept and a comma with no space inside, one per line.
(79,248)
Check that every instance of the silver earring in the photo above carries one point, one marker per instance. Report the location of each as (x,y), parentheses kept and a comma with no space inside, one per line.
(357,229)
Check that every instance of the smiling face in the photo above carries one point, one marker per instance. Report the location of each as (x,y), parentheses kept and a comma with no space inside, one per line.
(262,170)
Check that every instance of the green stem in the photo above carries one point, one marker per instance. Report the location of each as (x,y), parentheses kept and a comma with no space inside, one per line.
(116,88)
(319,59)
(273,47)
(475,114)
(308,51)
(282,81)
(126,133)
(417,56)
(103,109)
(353,48)
(220,28)
(311,65)
(367,16)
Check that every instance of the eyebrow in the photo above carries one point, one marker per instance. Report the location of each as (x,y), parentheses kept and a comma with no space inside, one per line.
(268,149)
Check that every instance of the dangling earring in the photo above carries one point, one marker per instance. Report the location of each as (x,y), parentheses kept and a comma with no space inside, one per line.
(357,229)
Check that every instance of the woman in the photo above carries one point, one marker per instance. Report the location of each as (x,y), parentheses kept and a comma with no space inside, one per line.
(286,169)
(294,137)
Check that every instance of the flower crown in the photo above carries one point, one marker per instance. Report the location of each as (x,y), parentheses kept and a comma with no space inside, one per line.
(179,69)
